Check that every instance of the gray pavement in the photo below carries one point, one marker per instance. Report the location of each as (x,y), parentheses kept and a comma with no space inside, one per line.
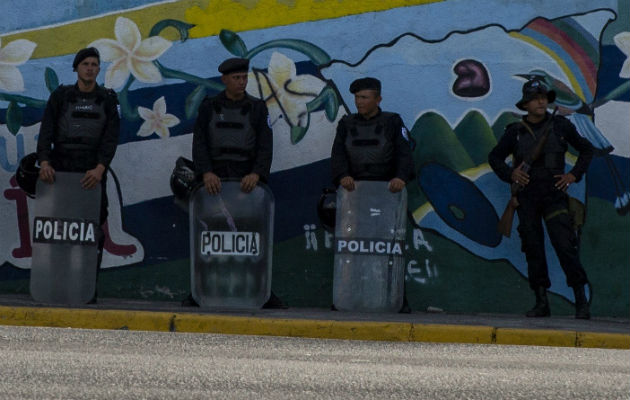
(46,363)
(311,322)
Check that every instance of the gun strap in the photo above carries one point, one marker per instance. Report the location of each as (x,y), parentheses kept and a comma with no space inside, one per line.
(529,129)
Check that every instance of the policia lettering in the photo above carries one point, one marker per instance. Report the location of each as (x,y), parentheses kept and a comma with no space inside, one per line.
(369,247)
(232,136)
(230,243)
(61,230)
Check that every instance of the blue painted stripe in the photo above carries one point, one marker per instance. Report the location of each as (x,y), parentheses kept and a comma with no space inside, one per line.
(20,14)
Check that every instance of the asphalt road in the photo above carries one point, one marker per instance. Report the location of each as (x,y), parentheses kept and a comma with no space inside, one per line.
(49,363)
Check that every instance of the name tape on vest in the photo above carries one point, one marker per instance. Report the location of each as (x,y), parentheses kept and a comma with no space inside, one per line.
(64,230)
(230,243)
(369,246)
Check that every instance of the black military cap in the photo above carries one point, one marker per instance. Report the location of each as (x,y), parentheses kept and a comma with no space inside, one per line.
(234,65)
(532,88)
(83,54)
(365,84)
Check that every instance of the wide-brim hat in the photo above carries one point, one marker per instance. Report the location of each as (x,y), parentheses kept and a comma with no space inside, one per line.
(531,89)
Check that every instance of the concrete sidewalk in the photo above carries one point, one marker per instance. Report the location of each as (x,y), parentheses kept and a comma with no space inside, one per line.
(612,333)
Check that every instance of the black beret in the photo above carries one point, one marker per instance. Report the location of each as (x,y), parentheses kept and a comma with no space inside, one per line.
(83,54)
(365,84)
(234,65)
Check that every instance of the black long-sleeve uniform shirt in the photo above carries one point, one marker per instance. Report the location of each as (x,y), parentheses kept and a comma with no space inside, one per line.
(508,145)
(394,129)
(263,152)
(56,106)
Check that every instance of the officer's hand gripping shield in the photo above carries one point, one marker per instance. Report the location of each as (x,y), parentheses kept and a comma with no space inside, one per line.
(369,248)
(65,236)
(231,245)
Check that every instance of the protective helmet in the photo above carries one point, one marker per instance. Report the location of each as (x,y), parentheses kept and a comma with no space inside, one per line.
(183,179)
(327,209)
(27,174)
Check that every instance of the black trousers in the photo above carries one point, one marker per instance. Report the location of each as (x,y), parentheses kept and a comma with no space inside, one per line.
(540,202)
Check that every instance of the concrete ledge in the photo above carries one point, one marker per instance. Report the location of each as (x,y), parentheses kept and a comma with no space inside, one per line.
(310,328)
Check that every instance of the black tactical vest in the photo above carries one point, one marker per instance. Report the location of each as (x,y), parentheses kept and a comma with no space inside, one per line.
(81,124)
(370,149)
(232,136)
(552,156)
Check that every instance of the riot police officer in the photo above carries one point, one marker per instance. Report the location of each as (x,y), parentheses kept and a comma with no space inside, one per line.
(371,144)
(232,138)
(544,197)
(79,130)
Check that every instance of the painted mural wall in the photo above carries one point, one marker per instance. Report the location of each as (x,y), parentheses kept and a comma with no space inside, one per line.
(453,69)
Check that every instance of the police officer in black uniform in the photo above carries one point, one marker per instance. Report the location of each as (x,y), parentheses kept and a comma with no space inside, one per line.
(544,196)
(232,139)
(371,144)
(79,130)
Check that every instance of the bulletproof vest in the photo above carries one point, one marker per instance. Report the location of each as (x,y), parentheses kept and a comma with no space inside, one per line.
(369,148)
(552,156)
(81,123)
(232,136)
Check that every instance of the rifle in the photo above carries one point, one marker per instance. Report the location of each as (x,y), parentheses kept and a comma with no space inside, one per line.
(505,223)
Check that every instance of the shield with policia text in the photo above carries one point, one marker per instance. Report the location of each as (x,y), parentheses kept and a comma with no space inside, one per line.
(65,237)
(369,248)
(231,242)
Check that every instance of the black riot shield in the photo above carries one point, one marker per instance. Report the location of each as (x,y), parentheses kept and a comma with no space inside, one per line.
(231,243)
(369,248)
(65,238)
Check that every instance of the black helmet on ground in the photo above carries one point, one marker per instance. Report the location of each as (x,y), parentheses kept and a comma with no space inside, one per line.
(327,209)
(27,174)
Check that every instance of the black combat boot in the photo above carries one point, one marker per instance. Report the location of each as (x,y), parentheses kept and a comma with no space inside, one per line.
(582,310)
(541,309)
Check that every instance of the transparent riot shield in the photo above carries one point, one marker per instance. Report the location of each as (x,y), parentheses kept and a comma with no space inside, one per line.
(369,248)
(65,234)
(231,243)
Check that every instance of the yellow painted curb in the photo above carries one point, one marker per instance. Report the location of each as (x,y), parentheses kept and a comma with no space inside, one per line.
(322,329)
(87,319)
(452,333)
(538,337)
(562,338)
(603,340)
